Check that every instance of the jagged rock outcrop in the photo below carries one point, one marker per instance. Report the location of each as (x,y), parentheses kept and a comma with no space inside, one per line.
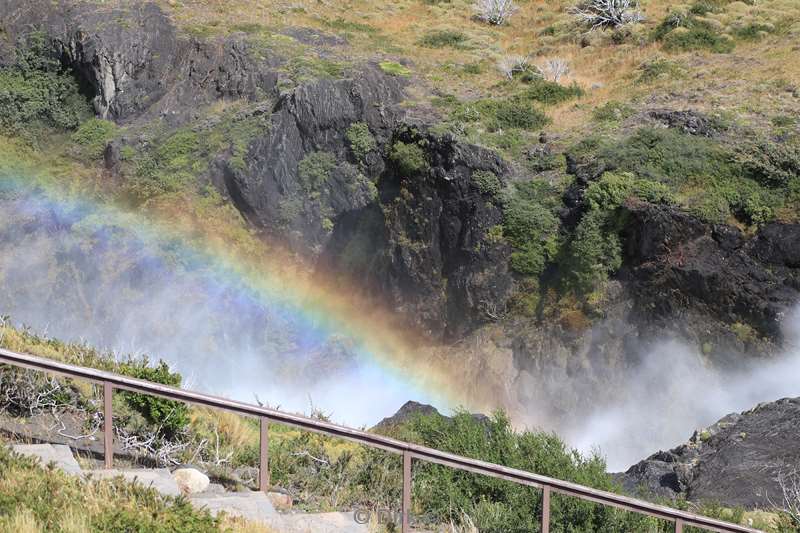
(684,271)
(426,246)
(736,462)
(313,119)
(132,60)
(429,256)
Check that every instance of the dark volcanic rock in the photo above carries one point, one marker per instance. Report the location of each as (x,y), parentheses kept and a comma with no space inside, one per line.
(411,409)
(680,267)
(691,122)
(132,60)
(735,462)
(425,247)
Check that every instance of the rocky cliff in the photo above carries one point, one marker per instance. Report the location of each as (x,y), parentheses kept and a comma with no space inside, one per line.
(343,170)
(739,461)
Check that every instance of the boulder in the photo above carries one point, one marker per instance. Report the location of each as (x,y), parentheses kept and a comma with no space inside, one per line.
(190,480)
(736,462)
(280,501)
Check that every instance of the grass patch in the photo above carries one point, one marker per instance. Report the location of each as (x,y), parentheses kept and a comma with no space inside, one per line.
(444,38)
(393,68)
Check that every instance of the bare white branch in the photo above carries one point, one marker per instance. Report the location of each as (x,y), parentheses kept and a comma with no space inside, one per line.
(608,13)
(496,12)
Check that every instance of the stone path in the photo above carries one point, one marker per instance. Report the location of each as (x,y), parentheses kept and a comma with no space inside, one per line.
(253,506)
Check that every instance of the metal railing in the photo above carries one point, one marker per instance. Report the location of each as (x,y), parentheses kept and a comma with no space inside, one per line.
(409,452)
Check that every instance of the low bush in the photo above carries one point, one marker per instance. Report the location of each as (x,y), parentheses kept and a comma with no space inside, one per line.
(531,226)
(444,38)
(612,112)
(686,32)
(360,140)
(92,137)
(487,182)
(551,93)
(409,158)
(314,170)
(36,90)
(170,416)
(447,495)
(517,113)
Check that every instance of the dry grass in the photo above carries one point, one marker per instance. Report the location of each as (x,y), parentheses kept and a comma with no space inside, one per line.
(542,29)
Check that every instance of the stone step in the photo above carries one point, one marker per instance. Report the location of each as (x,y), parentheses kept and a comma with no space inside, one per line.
(158,478)
(323,523)
(253,506)
(59,454)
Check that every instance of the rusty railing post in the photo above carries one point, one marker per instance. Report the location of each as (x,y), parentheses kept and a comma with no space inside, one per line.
(406,508)
(545,509)
(678,526)
(108,424)
(263,457)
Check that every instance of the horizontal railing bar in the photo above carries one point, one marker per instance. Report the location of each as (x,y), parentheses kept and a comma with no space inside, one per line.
(377,441)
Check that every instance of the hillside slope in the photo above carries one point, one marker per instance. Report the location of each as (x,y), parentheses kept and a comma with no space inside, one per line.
(538,225)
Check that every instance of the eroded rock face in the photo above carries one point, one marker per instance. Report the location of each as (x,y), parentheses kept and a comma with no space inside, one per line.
(736,462)
(134,62)
(680,268)
(425,245)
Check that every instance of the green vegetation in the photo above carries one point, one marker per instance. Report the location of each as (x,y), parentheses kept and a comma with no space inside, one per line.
(493,505)
(444,38)
(173,164)
(531,226)
(33,498)
(487,182)
(92,137)
(551,93)
(171,416)
(685,32)
(751,182)
(165,419)
(36,92)
(612,112)
(172,161)
(393,68)
(659,68)
(409,158)
(315,170)
(361,140)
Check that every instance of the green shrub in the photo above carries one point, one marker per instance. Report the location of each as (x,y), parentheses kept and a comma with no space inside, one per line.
(35,90)
(685,32)
(752,32)
(551,93)
(445,494)
(511,113)
(613,188)
(315,169)
(443,38)
(531,226)
(360,139)
(595,251)
(658,69)
(487,182)
(92,137)
(773,164)
(668,156)
(169,415)
(612,112)
(393,68)
(409,159)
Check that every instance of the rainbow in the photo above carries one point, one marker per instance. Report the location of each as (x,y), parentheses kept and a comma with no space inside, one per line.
(324,307)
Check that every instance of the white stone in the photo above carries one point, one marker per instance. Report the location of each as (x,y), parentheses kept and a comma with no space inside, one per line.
(190,480)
